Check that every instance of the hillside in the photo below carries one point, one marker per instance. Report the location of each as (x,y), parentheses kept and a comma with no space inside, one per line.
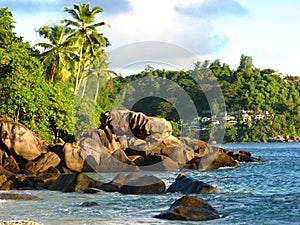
(259,104)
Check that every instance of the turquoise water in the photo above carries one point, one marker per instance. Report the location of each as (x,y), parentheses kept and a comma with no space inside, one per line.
(254,193)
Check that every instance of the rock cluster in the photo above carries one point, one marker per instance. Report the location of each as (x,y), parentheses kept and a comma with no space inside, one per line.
(126,141)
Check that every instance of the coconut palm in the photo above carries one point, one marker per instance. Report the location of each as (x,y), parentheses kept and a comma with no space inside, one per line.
(88,39)
(99,74)
(58,56)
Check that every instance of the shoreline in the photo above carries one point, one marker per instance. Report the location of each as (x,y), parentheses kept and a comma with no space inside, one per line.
(266,142)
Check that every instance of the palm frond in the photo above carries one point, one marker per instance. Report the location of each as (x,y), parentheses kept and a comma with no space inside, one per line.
(99,25)
(71,22)
(73,13)
(97,10)
(44,45)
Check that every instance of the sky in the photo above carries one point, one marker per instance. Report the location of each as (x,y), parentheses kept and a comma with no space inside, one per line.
(267,30)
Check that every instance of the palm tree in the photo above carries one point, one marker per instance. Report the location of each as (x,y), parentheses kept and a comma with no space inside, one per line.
(99,73)
(88,39)
(58,56)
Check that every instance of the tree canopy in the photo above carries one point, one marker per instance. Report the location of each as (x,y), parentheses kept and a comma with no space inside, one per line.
(246,88)
(60,90)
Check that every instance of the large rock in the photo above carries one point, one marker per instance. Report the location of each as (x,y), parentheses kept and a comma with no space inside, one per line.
(20,141)
(75,182)
(182,154)
(93,151)
(120,179)
(189,208)
(13,181)
(144,185)
(215,160)
(187,185)
(5,171)
(116,162)
(43,180)
(241,156)
(22,181)
(116,183)
(137,126)
(101,152)
(108,139)
(70,156)
(8,162)
(157,163)
(197,145)
(129,123)
(3,179)
(50,159)
(142,147)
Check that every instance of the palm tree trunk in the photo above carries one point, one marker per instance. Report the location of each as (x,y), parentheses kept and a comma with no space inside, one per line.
(77,81)
(83,91)
(52,73)
(97,91)
(80,82)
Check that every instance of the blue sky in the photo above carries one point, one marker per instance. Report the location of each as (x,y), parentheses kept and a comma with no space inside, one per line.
(267,30)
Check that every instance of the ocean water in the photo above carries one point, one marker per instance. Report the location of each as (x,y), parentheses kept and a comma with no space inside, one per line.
(254,193)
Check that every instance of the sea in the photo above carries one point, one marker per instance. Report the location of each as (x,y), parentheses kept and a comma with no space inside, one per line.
(267,192)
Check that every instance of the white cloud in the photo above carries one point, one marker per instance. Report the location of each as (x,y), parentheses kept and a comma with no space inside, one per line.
(163,21)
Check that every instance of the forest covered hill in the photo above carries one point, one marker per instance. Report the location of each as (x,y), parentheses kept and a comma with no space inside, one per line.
(259,104)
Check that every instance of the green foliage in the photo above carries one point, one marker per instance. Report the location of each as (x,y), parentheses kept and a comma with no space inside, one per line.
(59,55)
(246,88)
(176,128)
(37,89)
(47,107)
(60,113)
(86,115)
(23,96)
(86,37)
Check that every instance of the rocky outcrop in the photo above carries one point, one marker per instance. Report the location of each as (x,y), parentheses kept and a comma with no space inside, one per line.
(70,156)
(122,179)
(241,156)
(187,185)
(8,163)
(212,160)
(215,160)
(20,141)
(143,185)
(75,182)
(189,208)
(127,141)
(47,160)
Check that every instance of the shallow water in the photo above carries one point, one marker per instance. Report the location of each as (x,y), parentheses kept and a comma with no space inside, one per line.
(254,193)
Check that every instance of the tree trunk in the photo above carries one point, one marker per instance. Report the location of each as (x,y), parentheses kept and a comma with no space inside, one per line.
(77,81)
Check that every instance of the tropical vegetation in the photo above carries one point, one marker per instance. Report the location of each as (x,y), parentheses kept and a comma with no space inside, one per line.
(246,88)
(59,88)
